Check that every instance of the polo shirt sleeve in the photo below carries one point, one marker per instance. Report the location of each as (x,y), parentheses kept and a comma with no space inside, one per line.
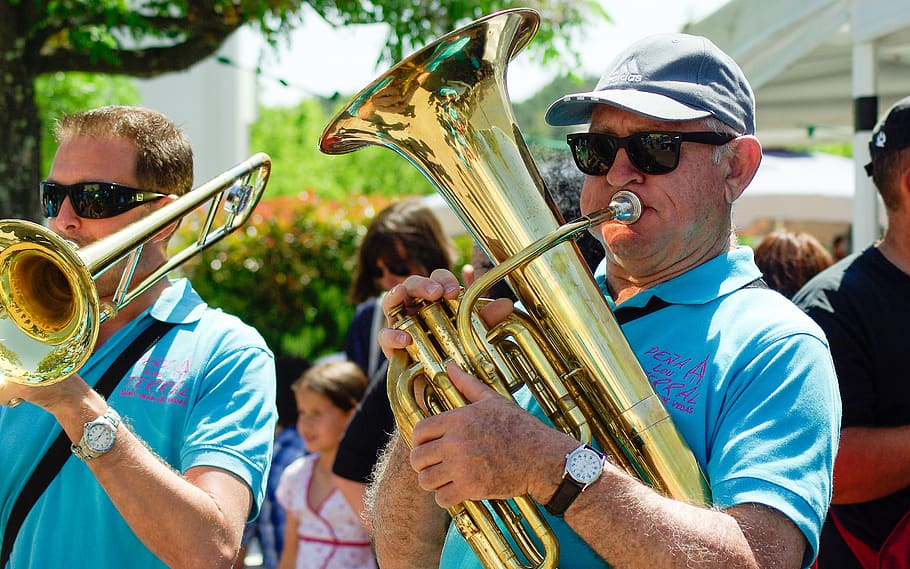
(231,420)
(776,439)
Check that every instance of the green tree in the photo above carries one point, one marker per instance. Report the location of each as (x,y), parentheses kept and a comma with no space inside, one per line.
(60,93)
(148,37)
(288,135)
(287,272)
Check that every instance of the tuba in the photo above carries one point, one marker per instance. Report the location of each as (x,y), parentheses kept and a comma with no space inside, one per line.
(50,312)
(445,109)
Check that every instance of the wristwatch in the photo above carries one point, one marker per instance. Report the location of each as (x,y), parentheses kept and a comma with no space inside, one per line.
(584,466)
(98,436)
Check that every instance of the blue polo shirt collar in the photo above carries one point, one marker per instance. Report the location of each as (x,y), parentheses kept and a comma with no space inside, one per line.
(713,279)
(179,304)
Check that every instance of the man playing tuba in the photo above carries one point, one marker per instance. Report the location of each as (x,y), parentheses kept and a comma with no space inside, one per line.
(746,377)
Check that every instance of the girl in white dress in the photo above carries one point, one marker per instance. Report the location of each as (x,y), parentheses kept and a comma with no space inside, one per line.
(322,531)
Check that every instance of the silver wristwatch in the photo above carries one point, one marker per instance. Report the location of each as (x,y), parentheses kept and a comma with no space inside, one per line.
(98,436)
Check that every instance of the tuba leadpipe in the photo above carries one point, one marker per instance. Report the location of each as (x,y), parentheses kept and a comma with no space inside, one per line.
(446,110)
(50,312)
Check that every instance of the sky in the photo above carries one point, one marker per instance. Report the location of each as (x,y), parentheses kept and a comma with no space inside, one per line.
(320,61)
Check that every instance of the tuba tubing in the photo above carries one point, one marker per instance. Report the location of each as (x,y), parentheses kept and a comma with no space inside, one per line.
(50,312)
(446,110)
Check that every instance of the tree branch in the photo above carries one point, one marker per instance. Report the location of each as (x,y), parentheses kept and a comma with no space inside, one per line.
(147,62)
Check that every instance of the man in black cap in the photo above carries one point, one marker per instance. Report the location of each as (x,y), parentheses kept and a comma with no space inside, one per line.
(863,305)
(745,375)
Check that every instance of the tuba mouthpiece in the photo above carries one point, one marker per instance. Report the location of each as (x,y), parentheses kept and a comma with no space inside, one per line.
(626,207)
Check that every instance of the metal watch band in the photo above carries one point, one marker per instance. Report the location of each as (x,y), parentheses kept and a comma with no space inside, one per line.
(82,449)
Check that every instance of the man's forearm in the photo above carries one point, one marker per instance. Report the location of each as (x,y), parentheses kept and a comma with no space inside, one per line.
(172,511)
(871,463)
(408,526)
(631,525)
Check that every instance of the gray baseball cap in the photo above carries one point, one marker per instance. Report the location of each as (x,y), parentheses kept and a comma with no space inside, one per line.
(672,77)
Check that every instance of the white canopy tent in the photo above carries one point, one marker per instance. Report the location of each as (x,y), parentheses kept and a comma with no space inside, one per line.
(811,63)
(798,186)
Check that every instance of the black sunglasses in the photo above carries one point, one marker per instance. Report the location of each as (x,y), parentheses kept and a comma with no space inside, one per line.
(93,200)
(650,152)
(398,268)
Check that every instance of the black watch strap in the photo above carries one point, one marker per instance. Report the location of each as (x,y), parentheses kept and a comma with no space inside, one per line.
(584,465)
(566,493)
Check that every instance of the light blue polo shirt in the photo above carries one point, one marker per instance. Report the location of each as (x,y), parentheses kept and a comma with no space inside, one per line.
(204,395)
(750,384)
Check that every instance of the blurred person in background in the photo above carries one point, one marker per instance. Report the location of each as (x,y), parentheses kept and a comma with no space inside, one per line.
(322,529)
(268,529)
(863,304)
(788,259)
(404,238)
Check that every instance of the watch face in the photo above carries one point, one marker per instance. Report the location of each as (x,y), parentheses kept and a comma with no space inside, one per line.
(100,437)
(584,465)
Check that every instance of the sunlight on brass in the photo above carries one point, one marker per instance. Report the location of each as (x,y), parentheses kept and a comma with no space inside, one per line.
(445,109)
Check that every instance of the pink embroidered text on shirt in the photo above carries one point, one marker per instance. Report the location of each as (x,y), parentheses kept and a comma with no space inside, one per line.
(149,386)
(675,378)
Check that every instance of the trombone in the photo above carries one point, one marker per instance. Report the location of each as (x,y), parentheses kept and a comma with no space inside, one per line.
(50,312)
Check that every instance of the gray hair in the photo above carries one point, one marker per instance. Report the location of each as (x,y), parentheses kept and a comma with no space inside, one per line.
(720,127)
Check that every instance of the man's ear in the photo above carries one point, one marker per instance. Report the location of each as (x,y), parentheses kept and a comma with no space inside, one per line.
(741,166)
(904,185)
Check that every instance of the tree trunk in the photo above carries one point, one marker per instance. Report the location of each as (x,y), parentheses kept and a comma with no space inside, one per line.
(20,131)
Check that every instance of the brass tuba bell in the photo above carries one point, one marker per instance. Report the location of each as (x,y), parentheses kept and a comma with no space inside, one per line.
(445,109)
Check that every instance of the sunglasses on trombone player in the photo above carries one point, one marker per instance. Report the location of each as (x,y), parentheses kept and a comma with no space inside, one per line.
(93,200)
(649,152)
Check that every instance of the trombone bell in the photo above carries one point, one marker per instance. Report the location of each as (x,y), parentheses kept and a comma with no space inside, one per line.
(47,305)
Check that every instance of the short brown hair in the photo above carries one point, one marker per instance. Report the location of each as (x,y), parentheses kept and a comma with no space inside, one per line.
(164,160)
(343,382)
(789,259)
(886,176)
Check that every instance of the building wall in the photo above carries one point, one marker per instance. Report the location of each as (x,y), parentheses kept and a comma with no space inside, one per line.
(214,102)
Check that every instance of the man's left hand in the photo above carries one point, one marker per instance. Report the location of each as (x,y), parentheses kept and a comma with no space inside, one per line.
(489,449)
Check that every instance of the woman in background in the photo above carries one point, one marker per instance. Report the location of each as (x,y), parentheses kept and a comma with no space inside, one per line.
(788,259)
(403,239)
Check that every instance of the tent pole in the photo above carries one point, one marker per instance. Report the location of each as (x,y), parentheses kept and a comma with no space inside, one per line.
(865,113)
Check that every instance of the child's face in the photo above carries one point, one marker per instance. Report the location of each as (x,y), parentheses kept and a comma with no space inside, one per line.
(320,422)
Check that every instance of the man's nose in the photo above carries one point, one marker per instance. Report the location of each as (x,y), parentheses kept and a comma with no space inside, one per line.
(622,172)
(66,215)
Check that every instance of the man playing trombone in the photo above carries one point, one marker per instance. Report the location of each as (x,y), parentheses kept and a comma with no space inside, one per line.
(169,466)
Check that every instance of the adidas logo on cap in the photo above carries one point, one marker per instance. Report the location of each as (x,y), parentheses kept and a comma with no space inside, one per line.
(627,72)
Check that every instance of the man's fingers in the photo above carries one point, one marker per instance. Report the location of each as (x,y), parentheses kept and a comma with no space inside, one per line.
(391,340)
(470,386)
(496,311)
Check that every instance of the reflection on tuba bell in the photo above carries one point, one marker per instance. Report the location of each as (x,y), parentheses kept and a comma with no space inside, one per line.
(49,307)
(446,110)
